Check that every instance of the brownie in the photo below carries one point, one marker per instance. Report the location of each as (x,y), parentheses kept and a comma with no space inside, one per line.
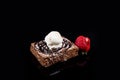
(47,57)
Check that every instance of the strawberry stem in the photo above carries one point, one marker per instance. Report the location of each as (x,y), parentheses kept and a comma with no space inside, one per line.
(84,53)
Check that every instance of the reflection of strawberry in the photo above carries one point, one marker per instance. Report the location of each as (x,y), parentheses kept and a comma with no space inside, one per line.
(83,43)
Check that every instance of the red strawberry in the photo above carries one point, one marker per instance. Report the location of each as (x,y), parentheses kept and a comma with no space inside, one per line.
(83,43)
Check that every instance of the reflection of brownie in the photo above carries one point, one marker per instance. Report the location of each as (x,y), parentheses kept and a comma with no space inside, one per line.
(49,57)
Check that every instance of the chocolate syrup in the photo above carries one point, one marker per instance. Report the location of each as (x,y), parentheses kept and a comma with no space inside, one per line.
(42,46)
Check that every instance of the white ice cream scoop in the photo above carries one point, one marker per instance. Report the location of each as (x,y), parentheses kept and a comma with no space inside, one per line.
(54,39)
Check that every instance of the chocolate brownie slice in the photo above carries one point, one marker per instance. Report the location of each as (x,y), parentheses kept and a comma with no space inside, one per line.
(48,57)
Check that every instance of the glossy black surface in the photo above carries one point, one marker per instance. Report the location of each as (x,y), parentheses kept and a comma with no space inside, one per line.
(81,67)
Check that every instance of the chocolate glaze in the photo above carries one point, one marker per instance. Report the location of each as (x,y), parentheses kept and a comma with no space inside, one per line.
(42,46)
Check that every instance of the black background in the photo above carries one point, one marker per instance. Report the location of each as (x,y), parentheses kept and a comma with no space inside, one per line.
(28,26)
(23,24)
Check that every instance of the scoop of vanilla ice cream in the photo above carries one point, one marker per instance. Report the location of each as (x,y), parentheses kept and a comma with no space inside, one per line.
(54,39)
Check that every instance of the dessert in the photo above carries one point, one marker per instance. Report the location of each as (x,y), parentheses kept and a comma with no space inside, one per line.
(53,49)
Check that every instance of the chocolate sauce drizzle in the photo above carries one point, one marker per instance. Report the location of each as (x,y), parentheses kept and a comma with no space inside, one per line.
(42,46)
